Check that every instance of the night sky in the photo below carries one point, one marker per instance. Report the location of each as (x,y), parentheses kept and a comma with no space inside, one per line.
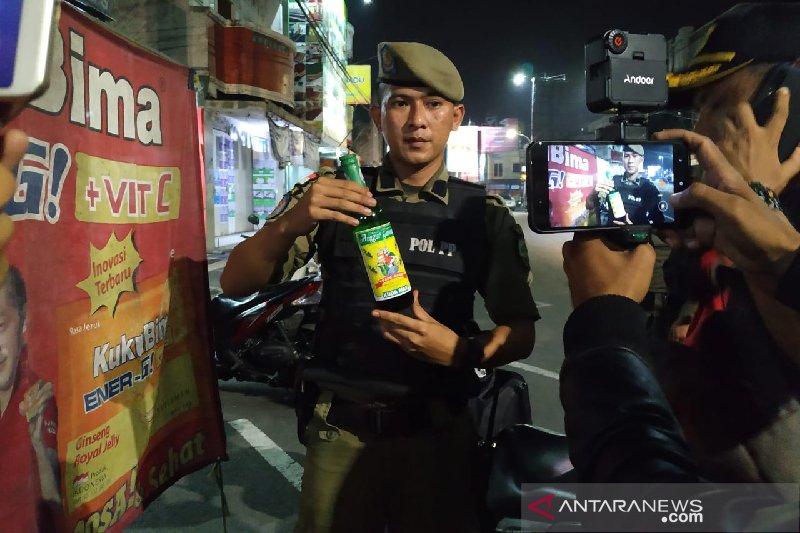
(489,40)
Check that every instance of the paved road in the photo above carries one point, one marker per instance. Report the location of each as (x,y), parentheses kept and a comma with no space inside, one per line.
(262,477)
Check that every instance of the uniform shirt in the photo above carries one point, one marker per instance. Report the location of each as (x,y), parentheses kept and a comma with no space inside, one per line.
(20,490)
(640,199)
(506,289)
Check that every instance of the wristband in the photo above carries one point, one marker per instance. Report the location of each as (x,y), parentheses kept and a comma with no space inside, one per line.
(472,357)
(766,194)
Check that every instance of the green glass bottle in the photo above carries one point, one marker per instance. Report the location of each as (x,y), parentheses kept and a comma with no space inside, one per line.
(379,251)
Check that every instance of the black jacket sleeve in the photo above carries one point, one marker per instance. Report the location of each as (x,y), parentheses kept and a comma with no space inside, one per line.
(619,425)
(788,292)
(620,428)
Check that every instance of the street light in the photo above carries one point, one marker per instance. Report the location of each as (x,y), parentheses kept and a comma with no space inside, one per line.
(519,79)
(513,133)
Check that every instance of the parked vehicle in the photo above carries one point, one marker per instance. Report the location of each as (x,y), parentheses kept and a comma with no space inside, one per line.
(509,202)
(263,337)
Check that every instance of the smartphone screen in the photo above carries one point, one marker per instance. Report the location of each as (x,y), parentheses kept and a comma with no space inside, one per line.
(9,35)
(589,185)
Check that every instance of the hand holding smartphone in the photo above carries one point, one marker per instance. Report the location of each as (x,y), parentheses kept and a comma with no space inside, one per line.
(26,28)
(589,185)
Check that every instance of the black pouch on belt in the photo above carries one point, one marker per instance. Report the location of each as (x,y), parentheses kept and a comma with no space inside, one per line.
(306,394)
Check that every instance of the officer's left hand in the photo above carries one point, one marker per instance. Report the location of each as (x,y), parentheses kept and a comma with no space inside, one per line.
(421,337)
(623,222)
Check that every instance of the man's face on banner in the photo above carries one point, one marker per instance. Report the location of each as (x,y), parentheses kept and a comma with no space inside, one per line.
(10,339)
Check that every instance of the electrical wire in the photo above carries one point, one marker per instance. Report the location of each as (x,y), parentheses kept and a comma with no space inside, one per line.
(341,72)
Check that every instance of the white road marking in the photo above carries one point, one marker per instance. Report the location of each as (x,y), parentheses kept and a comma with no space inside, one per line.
(216,266)
(538,303)
(270,451)
(535,370)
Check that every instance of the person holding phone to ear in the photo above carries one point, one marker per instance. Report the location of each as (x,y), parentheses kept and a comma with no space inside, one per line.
(744,425)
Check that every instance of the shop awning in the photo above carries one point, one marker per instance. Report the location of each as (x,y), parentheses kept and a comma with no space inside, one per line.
(261,109)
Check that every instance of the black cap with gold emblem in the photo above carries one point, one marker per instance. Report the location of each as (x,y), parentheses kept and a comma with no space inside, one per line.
(754,32)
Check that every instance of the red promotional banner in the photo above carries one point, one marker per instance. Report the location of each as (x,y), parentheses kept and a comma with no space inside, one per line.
(105,311)
(571,179)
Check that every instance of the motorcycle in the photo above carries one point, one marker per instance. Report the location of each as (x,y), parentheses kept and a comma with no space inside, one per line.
(265,336)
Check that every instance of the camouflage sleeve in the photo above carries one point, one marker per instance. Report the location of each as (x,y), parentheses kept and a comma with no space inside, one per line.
(494,199)
(299,253)
(507,290)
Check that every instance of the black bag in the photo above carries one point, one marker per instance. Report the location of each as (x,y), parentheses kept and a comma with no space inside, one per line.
(503,401)
(523,454)
(512,451)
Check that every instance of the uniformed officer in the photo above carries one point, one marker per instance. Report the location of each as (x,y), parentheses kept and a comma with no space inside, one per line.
(390,443)
(639,196)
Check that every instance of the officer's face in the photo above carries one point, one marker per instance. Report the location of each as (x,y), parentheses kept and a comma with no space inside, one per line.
(632,162)
(416,125)
(715,103)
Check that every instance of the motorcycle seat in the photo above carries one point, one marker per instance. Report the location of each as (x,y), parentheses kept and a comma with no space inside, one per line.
(223,306)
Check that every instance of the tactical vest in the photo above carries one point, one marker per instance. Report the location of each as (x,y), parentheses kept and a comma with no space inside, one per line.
(444,250)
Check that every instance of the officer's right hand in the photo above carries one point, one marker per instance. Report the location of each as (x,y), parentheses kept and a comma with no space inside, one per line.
(329,199)
(603,186)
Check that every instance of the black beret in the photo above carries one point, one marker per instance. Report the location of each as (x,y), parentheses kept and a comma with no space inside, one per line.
(419,65)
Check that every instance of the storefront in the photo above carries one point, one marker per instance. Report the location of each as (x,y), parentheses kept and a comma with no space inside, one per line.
(253,157)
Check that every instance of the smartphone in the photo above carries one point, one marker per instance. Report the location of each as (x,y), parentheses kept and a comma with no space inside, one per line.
(588,185)
(763,103)
(26,29)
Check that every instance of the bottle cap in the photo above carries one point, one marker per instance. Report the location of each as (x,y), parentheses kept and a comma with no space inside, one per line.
(348,159)
(351,169)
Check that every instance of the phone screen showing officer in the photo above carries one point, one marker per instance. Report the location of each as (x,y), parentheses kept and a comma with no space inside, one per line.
(577,186)
(9,35)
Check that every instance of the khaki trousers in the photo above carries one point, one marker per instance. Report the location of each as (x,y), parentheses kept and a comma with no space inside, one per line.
(421,483)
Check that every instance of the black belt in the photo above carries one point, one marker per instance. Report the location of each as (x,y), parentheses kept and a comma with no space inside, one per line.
(402,419)
(654,301)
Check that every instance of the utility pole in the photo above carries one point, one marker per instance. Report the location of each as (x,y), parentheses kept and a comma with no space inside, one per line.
(545,78)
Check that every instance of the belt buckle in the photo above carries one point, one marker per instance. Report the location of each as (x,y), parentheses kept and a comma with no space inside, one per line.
(378,420)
